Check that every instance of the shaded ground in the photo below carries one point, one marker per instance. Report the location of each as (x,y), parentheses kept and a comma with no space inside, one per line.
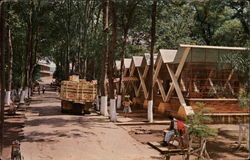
(220,147)
(52,135)
(12,131)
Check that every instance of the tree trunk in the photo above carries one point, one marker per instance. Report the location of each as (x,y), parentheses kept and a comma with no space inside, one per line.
(10,66)
(151,68)
(104,59)
(33,60)
(68,43)
(111,64)
(2,73)
(126,25)
(28,56)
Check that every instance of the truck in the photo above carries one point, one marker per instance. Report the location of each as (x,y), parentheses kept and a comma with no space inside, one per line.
(77,95)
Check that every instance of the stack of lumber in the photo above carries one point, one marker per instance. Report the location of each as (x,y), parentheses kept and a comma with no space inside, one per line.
(78,90)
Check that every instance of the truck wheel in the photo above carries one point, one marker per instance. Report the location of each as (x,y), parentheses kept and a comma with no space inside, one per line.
(62,106)
(62,110)
(86,112)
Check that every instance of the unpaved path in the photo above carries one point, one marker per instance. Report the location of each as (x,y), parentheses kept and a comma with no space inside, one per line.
(50,135)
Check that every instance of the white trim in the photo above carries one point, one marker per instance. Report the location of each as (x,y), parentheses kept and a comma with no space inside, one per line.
(213,47)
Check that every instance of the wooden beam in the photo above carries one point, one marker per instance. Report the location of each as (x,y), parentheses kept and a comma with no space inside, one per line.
(125,72)
(195,86)
(228,82)
(132,70)
(161,88)
(176,86)
(145,72)
(212,85)
(183,84)
(143,84)
(178,71)
(210,80)
(157,70)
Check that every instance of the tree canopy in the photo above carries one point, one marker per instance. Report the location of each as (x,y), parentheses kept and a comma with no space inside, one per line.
(70,32)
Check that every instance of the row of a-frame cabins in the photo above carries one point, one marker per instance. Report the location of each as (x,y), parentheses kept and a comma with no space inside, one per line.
(184,77)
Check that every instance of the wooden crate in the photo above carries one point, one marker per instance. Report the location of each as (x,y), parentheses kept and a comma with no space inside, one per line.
(74,78)
(79,92)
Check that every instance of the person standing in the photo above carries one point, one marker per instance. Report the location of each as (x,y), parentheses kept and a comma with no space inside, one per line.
(38,89)
(43,89)
(126,104)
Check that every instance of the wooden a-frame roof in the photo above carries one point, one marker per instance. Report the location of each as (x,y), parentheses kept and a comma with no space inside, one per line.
(137,60)
(127,63)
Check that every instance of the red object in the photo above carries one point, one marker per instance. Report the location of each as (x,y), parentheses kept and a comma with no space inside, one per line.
(180,127)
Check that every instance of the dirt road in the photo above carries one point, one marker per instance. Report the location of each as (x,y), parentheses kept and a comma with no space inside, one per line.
(50,135)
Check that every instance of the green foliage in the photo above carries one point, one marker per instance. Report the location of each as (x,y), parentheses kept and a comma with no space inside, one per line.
(244,98)
(76,28)
(197,123)
(240,62)
(230,33)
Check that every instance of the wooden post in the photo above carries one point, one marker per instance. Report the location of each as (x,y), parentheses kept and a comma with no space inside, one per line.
(228,82)
(143,84)
(178,71)
(145,72)
(176,86)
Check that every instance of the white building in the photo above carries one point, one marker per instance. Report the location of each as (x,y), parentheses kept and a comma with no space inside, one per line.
(47,68)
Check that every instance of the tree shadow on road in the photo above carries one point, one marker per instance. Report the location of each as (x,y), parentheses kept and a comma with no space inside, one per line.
(12,131)
(58,122)
(37,136)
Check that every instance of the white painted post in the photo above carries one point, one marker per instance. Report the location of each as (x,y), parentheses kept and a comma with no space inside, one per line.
(30,92)
(104,106)
(150,110)
(19,91)
(7,100)
(22,97)
(119,101)
(26,93)
(113,110)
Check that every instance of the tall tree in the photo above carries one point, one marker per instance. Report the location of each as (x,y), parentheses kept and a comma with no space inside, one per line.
(104,58)
(127,17)
(10,66)
(151,69)
(2,73)
(111,62)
